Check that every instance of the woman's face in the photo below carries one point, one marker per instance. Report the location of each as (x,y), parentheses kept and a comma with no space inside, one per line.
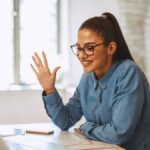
(101,60)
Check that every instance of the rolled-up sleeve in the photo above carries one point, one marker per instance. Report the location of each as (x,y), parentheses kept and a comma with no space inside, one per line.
(127,104)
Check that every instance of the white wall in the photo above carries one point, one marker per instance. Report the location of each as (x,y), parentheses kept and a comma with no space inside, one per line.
(27,106)
(21,107)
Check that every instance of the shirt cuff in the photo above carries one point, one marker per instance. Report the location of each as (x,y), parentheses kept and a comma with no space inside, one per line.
(51,99)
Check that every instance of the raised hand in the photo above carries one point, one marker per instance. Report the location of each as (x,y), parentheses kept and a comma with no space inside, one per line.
(45,77)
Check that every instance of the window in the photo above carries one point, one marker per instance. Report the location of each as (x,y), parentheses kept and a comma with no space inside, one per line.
(27,26)
(6,57)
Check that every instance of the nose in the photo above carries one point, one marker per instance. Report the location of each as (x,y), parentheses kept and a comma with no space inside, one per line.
(81,54)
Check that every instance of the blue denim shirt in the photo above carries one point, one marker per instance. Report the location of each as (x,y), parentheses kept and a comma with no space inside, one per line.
(116,107)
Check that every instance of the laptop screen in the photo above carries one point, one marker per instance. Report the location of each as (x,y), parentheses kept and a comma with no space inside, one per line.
(3,144)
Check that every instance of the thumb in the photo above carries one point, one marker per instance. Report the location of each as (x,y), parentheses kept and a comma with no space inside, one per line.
(55,71)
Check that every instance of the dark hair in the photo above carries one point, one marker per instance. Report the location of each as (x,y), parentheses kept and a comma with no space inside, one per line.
(108,28)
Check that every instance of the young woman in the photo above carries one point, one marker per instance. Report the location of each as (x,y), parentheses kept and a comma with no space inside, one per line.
(113,93)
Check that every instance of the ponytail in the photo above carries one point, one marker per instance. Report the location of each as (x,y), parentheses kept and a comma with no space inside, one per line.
(122,51)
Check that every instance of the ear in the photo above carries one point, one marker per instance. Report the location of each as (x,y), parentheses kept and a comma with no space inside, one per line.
(112,48)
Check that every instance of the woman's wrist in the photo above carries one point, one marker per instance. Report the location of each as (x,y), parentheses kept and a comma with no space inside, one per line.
(49,91)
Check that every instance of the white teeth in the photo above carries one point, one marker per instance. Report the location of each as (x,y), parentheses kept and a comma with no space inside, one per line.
(86,63)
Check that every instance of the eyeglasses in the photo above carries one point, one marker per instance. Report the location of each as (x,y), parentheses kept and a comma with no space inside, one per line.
(87,49)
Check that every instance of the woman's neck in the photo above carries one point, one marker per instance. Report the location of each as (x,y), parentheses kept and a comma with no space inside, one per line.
(100,73)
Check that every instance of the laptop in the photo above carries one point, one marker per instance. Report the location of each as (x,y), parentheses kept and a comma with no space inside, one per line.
(3,145)
(31,145)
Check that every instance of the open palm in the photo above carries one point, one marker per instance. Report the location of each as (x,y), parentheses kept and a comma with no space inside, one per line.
(45,77)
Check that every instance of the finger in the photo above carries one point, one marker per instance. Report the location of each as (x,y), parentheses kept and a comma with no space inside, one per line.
(55,70)
(34,69)
(38,59)
(45,59)
(36,63)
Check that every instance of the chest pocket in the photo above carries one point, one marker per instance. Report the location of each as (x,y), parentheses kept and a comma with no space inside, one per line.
(105,114)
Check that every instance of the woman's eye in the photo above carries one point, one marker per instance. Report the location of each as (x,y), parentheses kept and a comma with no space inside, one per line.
(89,48)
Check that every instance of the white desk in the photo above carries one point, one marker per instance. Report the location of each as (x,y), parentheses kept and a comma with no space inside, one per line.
(67,138)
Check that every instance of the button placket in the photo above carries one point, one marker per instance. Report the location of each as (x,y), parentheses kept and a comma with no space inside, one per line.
(99,103)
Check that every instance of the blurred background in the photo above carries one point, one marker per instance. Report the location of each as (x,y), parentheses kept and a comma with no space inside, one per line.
(27,26)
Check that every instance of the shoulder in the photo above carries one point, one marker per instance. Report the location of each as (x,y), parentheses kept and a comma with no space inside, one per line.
(128,64)
(86,76)
(128,67)
(86,79)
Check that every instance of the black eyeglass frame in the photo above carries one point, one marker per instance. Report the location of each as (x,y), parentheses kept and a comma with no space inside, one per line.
(83,49)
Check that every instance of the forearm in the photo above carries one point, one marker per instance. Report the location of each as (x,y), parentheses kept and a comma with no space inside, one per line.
(63,116)
(106,133)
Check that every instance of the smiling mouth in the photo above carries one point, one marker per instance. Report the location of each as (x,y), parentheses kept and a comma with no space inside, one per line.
(86,63)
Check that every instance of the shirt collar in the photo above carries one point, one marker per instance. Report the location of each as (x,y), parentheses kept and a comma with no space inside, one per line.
(103,81)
